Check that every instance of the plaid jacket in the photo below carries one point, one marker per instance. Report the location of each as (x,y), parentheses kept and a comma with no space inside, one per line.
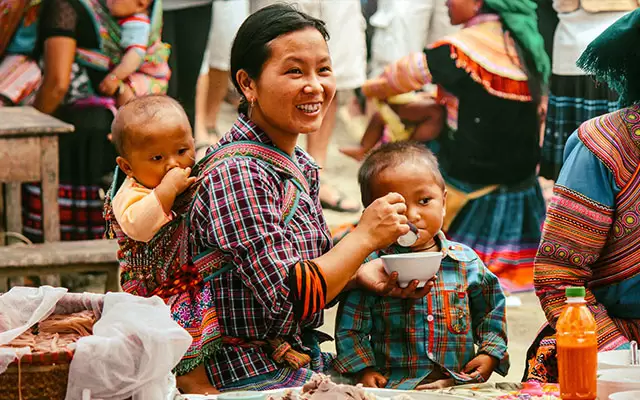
(237,210)
(405,339)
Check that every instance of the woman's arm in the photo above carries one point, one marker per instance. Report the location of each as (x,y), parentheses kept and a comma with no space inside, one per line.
(59,53)
(584,196)
(240,214)
(405,75)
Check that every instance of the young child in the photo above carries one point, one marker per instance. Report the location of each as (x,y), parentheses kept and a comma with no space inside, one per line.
(427,343)
(135,75)
(410,116)
(156,151)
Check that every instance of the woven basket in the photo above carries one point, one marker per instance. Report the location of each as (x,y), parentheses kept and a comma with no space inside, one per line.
(34,382)
(41,376)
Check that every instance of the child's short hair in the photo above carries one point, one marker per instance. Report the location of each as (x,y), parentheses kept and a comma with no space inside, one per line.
(138,113)
(389,156)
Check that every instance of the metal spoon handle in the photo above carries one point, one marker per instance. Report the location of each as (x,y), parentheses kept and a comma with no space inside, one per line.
(634,352)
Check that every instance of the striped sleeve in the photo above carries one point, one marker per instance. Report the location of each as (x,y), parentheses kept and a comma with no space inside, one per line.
(308,289)
(405,75)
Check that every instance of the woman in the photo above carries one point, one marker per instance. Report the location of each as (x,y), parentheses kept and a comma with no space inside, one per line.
(574,96)
(591,236)
(343,19)
(489,78)
(74,42)
(283,271)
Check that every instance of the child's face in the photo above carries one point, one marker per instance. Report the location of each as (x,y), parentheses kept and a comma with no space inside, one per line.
(151,155)
(425,198)
(126,8)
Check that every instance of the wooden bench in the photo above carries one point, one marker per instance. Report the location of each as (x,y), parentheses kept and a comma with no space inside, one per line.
(61,258)
(29,153)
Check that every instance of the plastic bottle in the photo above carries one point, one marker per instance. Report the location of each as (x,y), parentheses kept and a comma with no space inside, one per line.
(577,345)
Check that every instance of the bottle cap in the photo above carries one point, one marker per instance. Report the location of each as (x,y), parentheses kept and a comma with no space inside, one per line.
(575,292)
(409,238)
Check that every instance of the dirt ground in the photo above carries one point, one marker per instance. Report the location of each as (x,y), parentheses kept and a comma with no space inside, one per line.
(523,321)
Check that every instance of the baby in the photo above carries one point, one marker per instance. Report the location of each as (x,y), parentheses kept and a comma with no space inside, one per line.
(134,76)
(427,343)
(156,151)
(410,116)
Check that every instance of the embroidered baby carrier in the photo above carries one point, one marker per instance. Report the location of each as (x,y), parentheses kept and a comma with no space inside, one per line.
(166,265)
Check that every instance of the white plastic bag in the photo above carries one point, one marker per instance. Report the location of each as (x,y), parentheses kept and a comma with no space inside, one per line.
(21,308)
(134,346)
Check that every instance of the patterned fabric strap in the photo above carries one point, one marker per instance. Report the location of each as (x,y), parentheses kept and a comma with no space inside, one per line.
(281,351)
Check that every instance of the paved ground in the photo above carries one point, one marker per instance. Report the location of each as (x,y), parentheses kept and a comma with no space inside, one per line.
(524,321)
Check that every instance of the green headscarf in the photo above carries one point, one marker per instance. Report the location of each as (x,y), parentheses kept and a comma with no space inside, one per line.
(520,18)
(614,58)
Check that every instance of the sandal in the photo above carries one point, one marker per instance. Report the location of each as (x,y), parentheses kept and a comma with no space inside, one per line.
(337,206)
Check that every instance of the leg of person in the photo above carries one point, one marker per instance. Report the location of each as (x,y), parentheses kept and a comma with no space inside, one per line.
(227,17)
(202,89)
(346,25)
(196,382)
(125,94)
(371,137)
(189,35)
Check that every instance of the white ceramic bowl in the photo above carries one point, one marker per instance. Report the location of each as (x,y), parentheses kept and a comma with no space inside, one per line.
(632,395)
(410,266)
(617,380)
(615,359)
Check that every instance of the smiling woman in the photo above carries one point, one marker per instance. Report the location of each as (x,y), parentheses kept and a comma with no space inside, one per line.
(257,213)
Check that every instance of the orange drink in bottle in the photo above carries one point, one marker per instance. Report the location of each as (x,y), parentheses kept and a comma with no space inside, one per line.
(577,346)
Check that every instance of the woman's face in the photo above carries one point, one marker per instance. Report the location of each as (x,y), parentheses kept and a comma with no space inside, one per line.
(296,87)
(461,11)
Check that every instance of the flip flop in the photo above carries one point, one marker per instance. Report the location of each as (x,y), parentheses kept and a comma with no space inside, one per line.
(337,206)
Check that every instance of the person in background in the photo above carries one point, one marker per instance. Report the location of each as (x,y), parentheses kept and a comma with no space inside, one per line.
(426,343)
(591,237)
(346,26)
(402,27)
(143,68)
(490,78)
(186,30)
(574,96)
(213,85)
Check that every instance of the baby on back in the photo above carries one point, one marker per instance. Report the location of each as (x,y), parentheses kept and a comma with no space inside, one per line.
(156,151)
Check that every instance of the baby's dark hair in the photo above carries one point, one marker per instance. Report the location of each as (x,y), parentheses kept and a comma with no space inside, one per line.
(141,112)
(389,156)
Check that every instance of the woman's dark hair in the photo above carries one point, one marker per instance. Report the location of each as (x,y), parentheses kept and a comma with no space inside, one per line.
(250,50)
(534,77)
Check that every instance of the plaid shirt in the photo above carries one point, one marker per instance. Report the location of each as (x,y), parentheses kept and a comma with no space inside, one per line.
(237,210)
(405,340)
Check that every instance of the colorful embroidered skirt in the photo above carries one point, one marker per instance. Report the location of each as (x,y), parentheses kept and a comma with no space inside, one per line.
(86,157)
(572,101)
(504,228)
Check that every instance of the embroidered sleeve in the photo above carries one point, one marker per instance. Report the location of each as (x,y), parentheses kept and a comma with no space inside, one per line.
(138,212)
(135,33)
(241,216)
(574,234)
(405,75)
(487,303)
(353,326)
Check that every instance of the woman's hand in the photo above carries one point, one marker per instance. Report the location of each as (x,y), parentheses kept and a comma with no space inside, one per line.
(373,277)
(369,377)
(109,85)
(383,222)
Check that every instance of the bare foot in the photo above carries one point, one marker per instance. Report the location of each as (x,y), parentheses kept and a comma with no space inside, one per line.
(196,382)
(358,153)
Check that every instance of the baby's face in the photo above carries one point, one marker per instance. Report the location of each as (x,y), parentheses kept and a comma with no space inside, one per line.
(151,155)
(126,8)
(424,197)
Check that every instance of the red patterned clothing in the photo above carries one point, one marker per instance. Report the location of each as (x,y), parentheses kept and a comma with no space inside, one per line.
(591,236)
(237,210)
